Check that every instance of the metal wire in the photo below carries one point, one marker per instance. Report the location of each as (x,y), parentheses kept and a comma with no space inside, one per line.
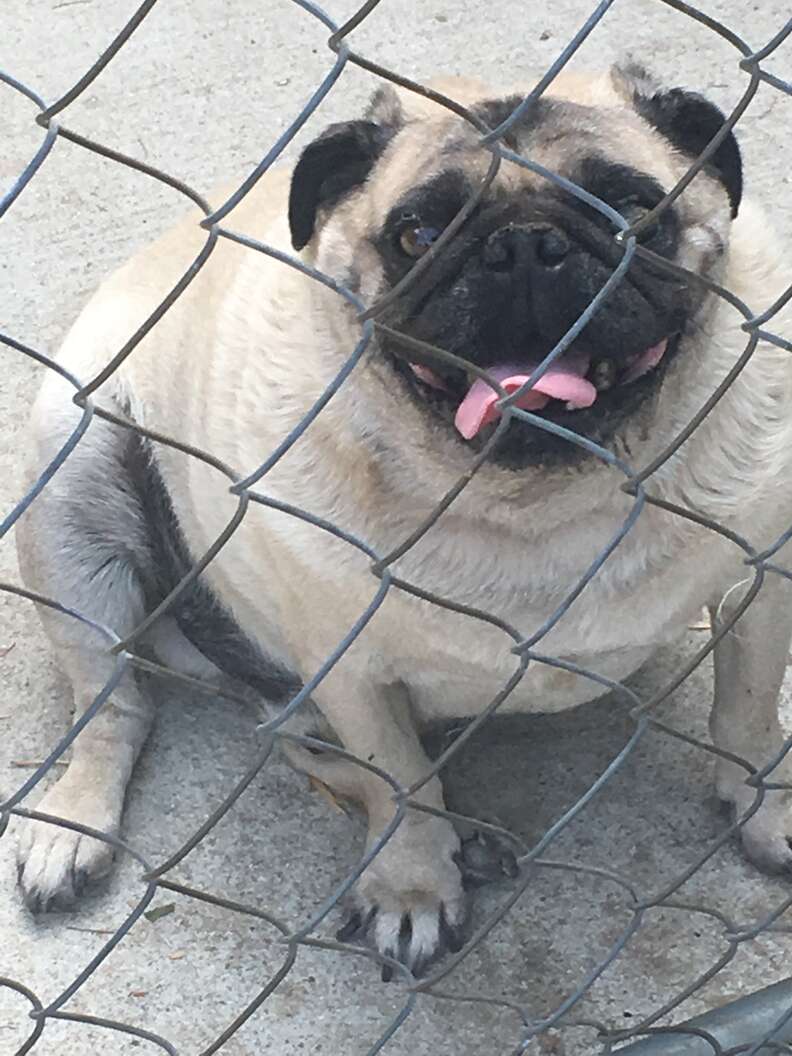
(524,642)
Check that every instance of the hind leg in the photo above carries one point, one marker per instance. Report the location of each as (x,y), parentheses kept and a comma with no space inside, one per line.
(82,543)
(749,667)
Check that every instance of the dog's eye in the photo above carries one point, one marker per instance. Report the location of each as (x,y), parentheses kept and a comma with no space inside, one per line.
(632,212)
(415,239)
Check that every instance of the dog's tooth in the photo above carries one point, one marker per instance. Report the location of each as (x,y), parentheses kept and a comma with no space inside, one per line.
(603,374)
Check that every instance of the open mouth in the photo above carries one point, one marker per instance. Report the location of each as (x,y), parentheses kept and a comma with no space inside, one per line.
(572,383)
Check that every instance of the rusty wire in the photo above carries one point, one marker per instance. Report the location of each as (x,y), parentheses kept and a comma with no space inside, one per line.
(524,642)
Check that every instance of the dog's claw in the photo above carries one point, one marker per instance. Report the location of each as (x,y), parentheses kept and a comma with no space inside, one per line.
(404,894)
(451,935)
(350,929)
(509,864)
(415,939)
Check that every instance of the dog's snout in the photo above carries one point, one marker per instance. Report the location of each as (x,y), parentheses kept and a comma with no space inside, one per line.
(518,251)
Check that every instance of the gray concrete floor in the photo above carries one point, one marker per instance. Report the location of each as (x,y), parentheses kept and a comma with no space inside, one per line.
(202,90)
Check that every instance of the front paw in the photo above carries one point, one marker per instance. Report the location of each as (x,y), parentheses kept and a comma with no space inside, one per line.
(410,901)
(56,864)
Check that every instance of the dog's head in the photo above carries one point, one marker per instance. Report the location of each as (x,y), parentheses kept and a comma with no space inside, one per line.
(370,197)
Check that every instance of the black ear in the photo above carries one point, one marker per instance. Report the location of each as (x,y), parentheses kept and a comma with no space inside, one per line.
(690,121)
(339,160)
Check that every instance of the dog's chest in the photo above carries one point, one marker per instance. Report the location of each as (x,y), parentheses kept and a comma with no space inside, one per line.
(297,594)
(455,666)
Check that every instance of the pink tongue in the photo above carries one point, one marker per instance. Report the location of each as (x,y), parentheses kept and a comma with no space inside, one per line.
(563,381)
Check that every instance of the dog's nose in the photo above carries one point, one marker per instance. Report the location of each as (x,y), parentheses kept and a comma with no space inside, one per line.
(515,249)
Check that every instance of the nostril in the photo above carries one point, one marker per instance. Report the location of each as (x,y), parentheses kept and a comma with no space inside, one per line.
(552,248)
(516,248)
(499,255)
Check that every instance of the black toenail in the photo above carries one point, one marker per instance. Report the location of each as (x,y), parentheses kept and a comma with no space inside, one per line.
(405,930)
(350,929)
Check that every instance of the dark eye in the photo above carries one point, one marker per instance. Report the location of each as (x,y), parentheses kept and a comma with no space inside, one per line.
(633,212)
(415,238)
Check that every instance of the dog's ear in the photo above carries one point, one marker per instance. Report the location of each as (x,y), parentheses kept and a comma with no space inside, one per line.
(337,162)
(688,121)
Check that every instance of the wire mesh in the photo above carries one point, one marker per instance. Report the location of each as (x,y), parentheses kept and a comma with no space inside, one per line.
(525,643)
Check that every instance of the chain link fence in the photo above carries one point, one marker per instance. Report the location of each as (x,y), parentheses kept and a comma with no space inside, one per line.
(755,66)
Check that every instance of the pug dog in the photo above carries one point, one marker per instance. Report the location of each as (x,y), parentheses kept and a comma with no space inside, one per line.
(234,365)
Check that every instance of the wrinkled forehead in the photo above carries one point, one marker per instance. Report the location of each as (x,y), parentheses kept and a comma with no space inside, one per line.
(560,133)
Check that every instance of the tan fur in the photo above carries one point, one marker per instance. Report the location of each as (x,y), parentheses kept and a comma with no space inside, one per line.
(240,358)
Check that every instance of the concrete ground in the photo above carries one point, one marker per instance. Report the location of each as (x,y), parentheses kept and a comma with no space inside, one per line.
(202,90)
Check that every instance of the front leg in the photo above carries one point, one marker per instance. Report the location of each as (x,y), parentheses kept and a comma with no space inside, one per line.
(749,668)
(410,897)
